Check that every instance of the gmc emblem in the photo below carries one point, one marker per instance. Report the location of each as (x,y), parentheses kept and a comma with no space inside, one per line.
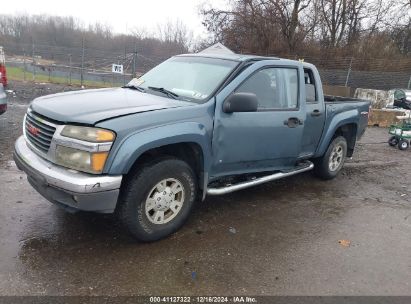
(33,130)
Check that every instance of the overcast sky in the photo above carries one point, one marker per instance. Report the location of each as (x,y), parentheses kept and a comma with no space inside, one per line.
(120,14)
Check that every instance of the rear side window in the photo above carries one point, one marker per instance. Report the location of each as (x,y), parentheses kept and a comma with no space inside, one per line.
(310,89)
(275,88)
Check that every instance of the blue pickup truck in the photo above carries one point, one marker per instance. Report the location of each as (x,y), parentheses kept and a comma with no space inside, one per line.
(195,125)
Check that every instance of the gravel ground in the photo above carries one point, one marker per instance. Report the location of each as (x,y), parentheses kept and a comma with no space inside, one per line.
(22,93)
(297,236)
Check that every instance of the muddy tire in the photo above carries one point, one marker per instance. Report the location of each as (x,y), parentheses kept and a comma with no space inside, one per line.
(157,199)
(393,141)
(403,144)
(329,165)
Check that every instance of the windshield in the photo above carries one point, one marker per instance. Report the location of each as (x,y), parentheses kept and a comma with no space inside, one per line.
(189,78)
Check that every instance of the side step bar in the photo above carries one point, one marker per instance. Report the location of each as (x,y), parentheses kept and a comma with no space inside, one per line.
(261,180)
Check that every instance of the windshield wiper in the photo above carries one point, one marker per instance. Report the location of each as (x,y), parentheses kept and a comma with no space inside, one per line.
(165,91)
(134,87)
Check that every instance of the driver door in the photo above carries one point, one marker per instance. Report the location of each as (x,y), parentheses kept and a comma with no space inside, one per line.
(269,139)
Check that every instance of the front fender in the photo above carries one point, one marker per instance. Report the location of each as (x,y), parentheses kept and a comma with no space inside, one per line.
(335,122)
(133,146)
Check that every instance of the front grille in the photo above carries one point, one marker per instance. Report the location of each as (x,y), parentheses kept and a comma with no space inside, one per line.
(39,131)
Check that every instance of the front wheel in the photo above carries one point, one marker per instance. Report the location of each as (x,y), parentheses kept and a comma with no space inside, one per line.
(329,165)
(393,141)
(157,199)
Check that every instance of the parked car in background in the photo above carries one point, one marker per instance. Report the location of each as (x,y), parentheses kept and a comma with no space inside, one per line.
(3,100)
(195,125)
(3,74)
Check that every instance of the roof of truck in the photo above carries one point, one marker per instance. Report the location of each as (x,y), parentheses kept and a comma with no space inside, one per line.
(220,51)
(233,56)
(245,58)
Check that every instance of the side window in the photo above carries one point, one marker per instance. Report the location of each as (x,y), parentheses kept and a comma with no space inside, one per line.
(310,89)
(275,88)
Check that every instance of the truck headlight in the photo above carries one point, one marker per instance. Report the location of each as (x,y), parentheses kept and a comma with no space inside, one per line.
(91,162)
(94,135)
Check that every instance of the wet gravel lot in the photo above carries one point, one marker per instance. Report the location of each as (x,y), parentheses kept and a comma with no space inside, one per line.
(298,236)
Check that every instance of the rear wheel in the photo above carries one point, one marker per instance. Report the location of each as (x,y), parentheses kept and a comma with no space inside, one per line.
(158,198)
(393,141)
(330,164)
(403,144)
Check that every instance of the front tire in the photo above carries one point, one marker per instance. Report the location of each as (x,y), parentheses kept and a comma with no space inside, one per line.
(158,198)
(330,164)
(393,141)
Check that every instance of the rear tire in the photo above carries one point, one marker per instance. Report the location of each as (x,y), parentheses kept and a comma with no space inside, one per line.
(157,199)
(403,144)
(329,165)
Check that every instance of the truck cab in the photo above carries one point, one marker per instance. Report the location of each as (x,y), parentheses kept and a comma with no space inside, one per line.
(196,125)
(250,141)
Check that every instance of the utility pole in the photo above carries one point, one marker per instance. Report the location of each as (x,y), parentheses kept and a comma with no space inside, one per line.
(409,83)
(82,62)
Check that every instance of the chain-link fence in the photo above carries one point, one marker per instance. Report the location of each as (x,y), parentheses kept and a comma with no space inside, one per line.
(91,67)
(79,65)
(369,73)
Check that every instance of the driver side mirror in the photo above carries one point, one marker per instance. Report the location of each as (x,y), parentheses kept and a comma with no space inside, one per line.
(240,102)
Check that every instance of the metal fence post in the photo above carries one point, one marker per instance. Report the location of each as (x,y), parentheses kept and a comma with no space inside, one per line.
(24,65)
(348,73)
(409,83)
(33,62)
(124,63)
(82,62)
(134,66)
(134,61)
(70,69)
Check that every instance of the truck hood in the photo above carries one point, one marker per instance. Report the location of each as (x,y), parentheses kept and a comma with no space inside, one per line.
(92,106)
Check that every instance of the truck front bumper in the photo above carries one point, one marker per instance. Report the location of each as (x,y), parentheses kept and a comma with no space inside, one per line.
(67,188)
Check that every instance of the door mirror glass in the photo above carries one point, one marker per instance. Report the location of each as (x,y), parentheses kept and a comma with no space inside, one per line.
(240,102)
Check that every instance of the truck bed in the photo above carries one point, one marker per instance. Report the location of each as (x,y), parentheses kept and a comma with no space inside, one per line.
(331,98)
(337,105)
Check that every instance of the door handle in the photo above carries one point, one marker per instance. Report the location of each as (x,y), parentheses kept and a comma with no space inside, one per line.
(293,122)
(316,113)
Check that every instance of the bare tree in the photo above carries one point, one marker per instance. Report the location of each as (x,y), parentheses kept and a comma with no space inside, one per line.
(259,25)
(345,22)
(288,13)
(400,27)
(175,32)
(334,17)
(56,37)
